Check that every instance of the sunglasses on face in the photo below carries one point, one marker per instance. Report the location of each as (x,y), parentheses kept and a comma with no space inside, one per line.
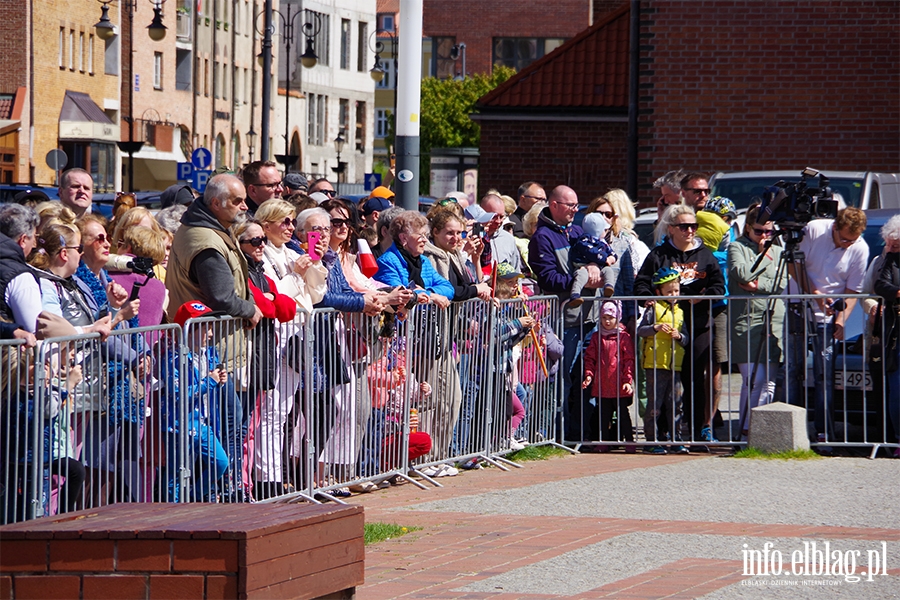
(698,191)
(256,242)
(287,222)
(685,227)
(330,193)
(79,248)
(762,232)
(335,223)
(320,229)
(102,239)
(607,213)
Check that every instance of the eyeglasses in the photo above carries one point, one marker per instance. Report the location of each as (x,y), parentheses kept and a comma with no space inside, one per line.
(270,186)
(287,222)
(844,240)
(761,232)
(80,248)
(335,223)
(607,213)
(330,193)
(256,242)
(698,191)
(572,206)
(447,201)
(685,227)
(101,239)
(321,228)
(536,198)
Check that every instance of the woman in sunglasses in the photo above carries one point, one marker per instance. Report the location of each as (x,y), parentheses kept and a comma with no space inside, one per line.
(756,324)
(699,275)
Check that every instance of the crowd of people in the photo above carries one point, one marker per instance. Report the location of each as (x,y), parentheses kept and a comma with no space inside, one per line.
(267,250)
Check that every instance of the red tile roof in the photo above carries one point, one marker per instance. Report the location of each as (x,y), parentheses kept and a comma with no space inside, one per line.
(588,71)
(6,104)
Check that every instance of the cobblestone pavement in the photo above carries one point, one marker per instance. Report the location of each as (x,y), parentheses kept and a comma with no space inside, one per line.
(635,526)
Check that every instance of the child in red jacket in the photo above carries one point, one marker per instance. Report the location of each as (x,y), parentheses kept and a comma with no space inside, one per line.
(609,365)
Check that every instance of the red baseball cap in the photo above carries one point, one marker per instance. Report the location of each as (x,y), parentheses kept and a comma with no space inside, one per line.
(194,309)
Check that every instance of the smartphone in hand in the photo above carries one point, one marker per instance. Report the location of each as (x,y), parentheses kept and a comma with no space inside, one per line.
(312,239)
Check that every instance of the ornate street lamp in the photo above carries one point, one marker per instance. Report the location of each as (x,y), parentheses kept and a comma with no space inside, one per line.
(105,31)
(338,148)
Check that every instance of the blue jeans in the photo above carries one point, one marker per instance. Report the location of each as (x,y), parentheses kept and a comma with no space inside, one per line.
(370,455)
(471,386)
(227,419)
(571,411)
(204,454)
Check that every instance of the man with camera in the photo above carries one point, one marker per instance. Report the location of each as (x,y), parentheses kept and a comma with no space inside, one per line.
(835,263)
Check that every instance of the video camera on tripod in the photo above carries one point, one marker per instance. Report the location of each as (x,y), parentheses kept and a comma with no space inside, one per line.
(793,205)
(140,265)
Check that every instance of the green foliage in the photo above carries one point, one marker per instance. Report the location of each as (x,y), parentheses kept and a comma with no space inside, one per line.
(378,532)
(537,453)
(758,454)
(444,120)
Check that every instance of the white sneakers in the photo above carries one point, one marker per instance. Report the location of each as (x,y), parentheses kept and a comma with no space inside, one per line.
(439,471)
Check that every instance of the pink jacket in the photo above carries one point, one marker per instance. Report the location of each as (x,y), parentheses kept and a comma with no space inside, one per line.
(615,353)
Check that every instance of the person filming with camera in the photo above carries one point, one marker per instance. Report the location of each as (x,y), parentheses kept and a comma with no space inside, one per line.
(835,263)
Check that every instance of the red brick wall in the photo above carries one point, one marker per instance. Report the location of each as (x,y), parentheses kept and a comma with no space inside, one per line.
(13,48)
(475,23)
(756,84)
(589,157)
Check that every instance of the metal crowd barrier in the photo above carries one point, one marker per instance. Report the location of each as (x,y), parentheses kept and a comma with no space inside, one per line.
(304,410)
(669,409)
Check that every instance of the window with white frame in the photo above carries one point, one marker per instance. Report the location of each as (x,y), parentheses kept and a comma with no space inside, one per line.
(387,65)
(381,123)
(345,43)
(91,54)
(62,49)
(157,70)
(71,49)
(81,52)
(322,38)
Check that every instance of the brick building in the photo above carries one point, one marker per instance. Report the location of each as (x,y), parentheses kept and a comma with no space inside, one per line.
(64,81)
(724,85)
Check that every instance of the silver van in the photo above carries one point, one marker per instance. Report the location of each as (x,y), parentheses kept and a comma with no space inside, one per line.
(862,189)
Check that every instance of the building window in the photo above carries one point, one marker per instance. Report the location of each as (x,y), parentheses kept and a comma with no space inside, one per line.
(62,49)
(206,78)
(182,69)
(518,53)
(81,52)
(91,54)
(246,86)
(225,86)
(157,70)
(217,79)
(111,56)
(386,23)
(322,39)
(316,119)
(361,41)
(71,50)
(387,82)
(381,123)
(343,116)
(345,43)
(360,126)
(442,66)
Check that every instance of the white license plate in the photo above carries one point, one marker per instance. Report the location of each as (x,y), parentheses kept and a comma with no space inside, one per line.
(852,380)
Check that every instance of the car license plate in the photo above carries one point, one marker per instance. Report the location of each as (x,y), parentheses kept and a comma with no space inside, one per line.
(852,380)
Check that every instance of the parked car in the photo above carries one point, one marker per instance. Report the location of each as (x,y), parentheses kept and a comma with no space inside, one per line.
(862,189)
(9,191)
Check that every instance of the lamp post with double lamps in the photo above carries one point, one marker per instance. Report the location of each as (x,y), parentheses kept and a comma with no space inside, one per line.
(106,30)
(308,59)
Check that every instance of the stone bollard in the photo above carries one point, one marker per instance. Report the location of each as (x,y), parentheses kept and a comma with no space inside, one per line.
(778,427)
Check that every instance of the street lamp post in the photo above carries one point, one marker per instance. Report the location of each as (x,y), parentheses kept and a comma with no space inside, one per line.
(105,31)
(251,142)
(338,148)
(308,60)
(377,71)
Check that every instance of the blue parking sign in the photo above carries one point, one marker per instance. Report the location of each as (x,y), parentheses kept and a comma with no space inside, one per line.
(199,180)
(185,170)
(201,158)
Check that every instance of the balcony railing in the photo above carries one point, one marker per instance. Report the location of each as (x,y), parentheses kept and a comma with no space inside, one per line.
(184,27)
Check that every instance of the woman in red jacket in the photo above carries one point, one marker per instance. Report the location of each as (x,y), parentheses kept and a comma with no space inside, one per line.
(609,365)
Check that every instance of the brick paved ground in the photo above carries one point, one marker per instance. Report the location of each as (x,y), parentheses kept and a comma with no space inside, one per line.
(504,556)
